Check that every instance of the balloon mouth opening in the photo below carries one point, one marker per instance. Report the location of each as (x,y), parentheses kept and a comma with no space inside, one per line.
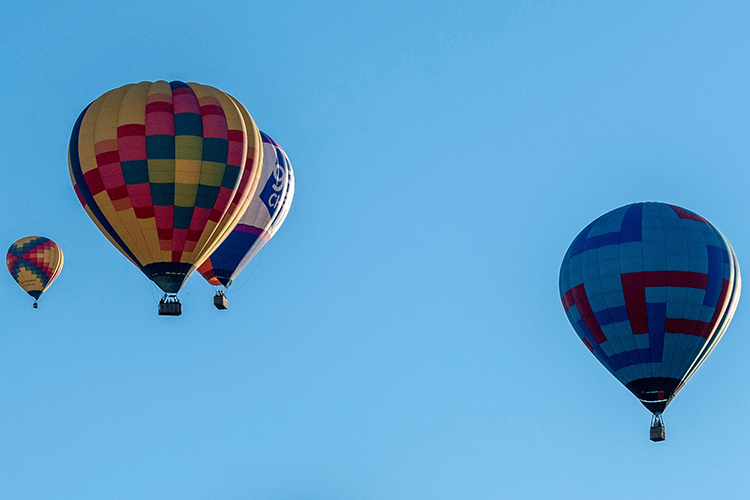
(169,276)
(654,393)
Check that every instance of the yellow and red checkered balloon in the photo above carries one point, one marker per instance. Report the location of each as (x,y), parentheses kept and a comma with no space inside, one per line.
(165,170)
(34,262)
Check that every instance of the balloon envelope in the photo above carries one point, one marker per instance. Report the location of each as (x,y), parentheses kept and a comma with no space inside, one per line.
(264,216)
(34,262)
(165,170)
(650,289)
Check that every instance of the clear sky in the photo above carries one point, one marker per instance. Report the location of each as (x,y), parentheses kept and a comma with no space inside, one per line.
(402,336)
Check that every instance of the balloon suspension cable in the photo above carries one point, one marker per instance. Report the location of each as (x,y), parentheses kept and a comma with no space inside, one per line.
(247,279)
(657,431)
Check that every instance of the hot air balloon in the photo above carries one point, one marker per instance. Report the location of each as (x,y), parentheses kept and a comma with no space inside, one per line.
(264,216)
(34,262)
(650,289)
(165,170)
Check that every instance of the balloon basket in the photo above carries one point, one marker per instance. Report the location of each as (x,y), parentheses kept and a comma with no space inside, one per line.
(657,432)
(220,301)
(36,305)
(170,306)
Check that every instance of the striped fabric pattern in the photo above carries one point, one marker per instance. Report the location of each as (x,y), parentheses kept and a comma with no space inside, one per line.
(263,217)
(165,169)
(650,289)
(34,262)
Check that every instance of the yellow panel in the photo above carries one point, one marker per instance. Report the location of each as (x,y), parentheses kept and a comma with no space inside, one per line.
(133,107)
(188,147)
(160,87)
(161,171)
(187,171)
(106,119)
(86,153)
(184,195)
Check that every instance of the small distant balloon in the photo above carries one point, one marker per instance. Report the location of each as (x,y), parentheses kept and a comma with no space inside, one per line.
(264,216)
(650,289)
(34,262)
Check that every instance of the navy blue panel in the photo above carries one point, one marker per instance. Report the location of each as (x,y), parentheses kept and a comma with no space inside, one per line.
(182,217)
(657,321)
(613,315)
(135,171)
(162,194)
(206,196)
(176,84)
(231,177)
(602,240)
(578,244)
(631,228)
(160,147)
(717,257)
(231,252)
(215,149)
(188,124)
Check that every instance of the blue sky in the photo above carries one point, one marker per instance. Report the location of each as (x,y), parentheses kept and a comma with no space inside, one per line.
(402,336)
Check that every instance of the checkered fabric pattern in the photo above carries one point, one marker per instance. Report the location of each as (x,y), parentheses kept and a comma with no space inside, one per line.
(34,262)
(165,170)
(267,211)
(650,289)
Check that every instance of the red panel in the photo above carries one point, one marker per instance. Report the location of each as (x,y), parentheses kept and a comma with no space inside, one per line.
(94,181)
(131,129)
(567,300)
(185,101)
(144,212)
(178,240)
(684,214)
(164,217)
(107,158)
(200,219)
(587,314)
(236,151)
(236,136)
(686,326)
(118,193)
(165,233)
(212,109)
(216,215)
(159,107)
(634,289)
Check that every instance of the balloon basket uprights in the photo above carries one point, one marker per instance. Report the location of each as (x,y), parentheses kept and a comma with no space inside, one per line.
(170,305)
(657,432)
(220,301)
